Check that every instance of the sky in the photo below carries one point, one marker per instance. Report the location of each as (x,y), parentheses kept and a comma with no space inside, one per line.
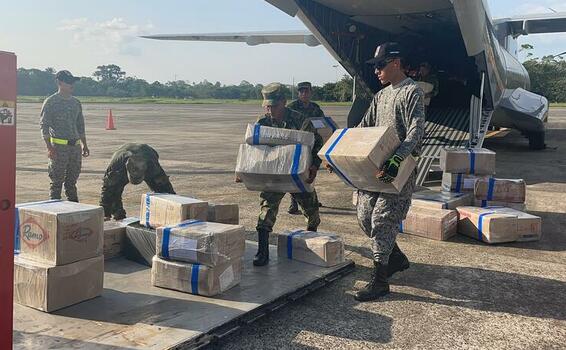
(81,35)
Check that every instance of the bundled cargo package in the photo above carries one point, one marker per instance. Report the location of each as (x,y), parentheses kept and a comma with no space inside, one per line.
(441,200)
(115,236)
(140,244)
(163,209)
(325,127)
(433,223)
(502,190)
(257,134)
(482,203)
(479,161)
(59,232)
(357,154)
(207,243)
(458,182)
(317,248)
(224,213)
(50,287)
(275,168)
(195,278)
(498,224)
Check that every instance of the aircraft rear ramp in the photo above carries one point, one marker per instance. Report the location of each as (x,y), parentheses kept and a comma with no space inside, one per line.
(132,314)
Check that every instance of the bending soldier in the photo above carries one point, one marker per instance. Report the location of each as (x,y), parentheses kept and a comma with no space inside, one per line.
(131,163)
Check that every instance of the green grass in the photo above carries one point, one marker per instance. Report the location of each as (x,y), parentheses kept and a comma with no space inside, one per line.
(148,100)
(558,104)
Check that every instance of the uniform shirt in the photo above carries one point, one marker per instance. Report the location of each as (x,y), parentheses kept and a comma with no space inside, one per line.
(116,172)
(311,111)
(401,107)
(62,118)
(296,121)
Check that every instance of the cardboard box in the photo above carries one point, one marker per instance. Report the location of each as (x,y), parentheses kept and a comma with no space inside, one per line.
(162,209)
(441,200)
(275,168)
(257,134)
(498,225)
(207,243)
(357,154)
(49,287)
(325,127)
(433,223)
(317,248)
(502,190)
(195,278)
(115,236)
(479,161)
(460,182)
(224,213)
(140,244)
(486,204)
(59,232)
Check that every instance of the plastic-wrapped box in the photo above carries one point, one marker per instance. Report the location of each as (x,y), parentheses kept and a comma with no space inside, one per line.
(207,243)
(482,203)
(502,190)
(257,134)
(441,200)
(224,213)
(498,225)
(479,161)
(460,182)
(50,287)
(195,278)
(357,154)
(433,223)
(115,236)
(163,209)
(325,127)
(317,248)
(275,168)
(59,232)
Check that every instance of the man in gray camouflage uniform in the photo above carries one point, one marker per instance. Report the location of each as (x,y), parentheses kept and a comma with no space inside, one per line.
(63,130)
(399,105)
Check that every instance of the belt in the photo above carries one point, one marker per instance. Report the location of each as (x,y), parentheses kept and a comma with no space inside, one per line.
(64,142)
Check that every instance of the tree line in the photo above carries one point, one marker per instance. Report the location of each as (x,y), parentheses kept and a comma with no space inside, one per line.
(110,80)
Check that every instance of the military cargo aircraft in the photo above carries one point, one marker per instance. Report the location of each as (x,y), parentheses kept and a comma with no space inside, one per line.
(481,81)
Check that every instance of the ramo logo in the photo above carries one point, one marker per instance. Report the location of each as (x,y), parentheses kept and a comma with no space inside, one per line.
(32,234)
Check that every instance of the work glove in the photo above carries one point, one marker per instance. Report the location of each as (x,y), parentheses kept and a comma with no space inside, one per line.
(390,169)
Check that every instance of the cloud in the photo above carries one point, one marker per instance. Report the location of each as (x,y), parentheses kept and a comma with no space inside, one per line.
(113,36)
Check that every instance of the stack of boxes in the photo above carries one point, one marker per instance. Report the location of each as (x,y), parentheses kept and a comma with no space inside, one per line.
(486,208)
(61,249)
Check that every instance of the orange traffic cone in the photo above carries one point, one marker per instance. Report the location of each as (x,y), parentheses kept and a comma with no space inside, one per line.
(110,121)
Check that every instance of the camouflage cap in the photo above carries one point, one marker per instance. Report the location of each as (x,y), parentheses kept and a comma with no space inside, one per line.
(272,93)
(66,77)
(304,85)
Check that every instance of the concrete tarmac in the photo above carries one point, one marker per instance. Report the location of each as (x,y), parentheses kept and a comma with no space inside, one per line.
(460,294)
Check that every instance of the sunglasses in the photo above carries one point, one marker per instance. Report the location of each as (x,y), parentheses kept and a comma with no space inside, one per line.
(382,64)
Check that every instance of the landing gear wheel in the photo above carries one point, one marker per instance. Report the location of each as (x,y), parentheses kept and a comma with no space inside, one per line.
(536,140)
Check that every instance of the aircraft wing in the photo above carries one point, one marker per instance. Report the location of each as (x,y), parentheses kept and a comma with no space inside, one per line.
(536,24)
(250,38)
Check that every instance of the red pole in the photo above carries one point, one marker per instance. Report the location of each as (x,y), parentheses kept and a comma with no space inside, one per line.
(8,91)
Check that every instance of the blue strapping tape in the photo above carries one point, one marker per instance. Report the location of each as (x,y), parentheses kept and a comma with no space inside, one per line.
(295,168)
(490,187)
(194,278)
(331,123)
(472,161)
(167,235)
(401,227)
(480,224)
(329,159)
(290,243)
(459,182)
(147,205)
(483,203)
(255,140)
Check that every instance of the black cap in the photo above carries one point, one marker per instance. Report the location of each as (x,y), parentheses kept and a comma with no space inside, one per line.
(304,85)
(385,51)
(66,77)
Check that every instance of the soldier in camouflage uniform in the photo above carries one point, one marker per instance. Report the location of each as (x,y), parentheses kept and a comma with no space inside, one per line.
(279,116)
(310,110)
(399,105)
(131,163)
(63,130)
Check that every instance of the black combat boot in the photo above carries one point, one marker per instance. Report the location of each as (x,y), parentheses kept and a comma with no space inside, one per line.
(293,207)
(262,256)
(397,261)
(312,229)
(377,286)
